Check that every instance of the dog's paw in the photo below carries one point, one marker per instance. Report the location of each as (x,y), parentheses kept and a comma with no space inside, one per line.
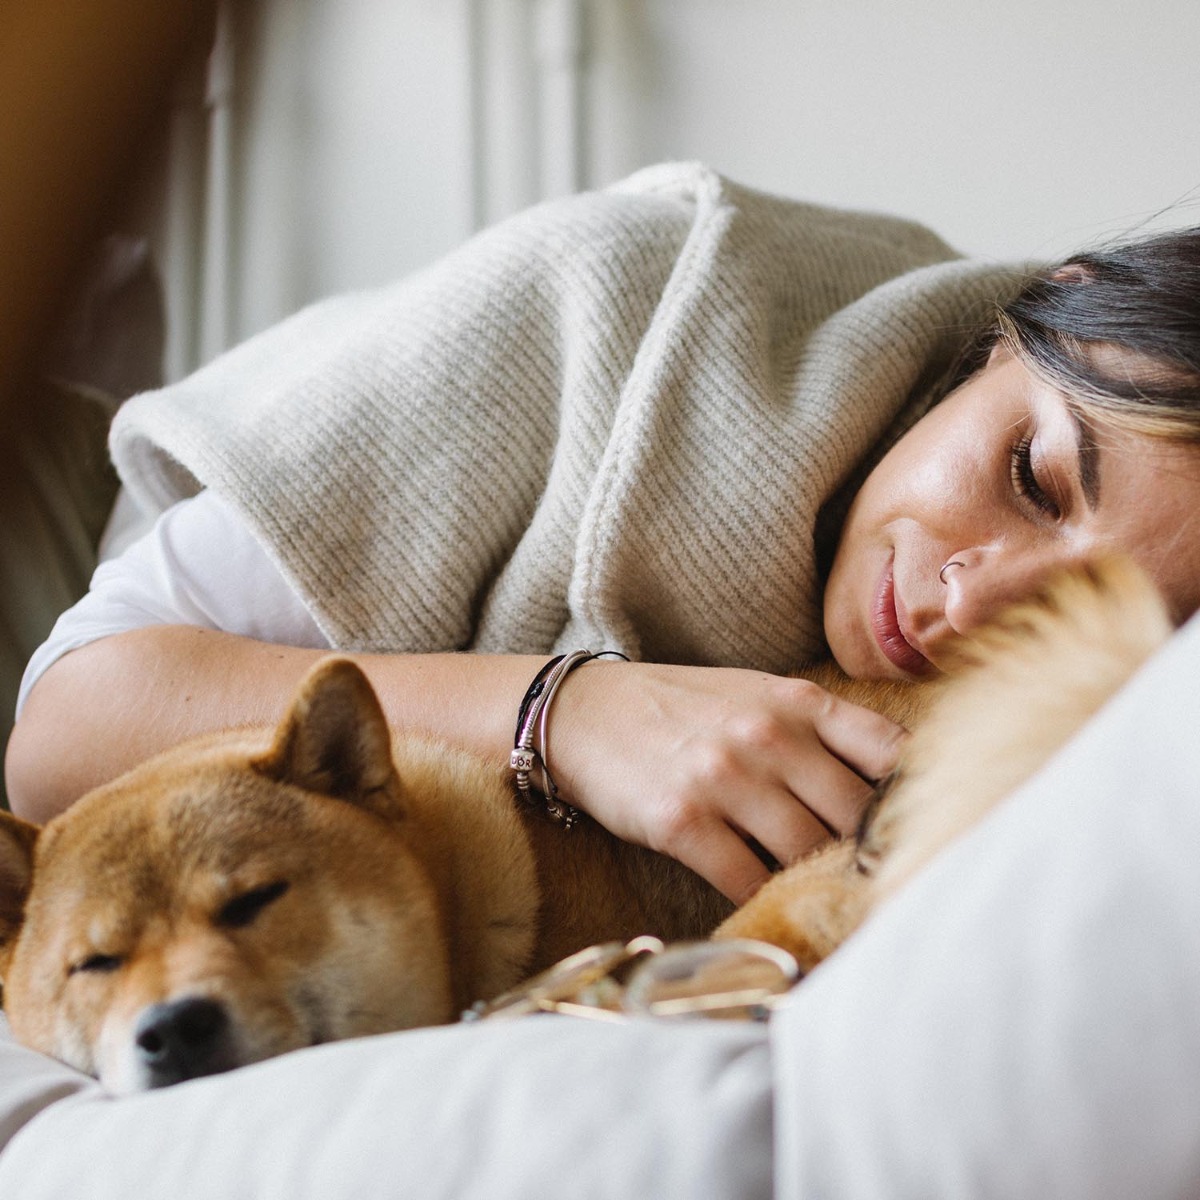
(808,909)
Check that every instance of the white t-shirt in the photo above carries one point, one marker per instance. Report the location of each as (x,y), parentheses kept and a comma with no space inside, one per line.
(198,565)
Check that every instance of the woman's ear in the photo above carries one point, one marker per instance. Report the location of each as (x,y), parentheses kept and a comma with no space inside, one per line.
(1000,352)
(1072,272)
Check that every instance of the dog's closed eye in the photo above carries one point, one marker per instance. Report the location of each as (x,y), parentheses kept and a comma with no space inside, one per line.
(96,963)
(244,909)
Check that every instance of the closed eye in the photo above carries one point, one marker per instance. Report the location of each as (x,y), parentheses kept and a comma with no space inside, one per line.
(97,964)
(242,910)
(1025,480)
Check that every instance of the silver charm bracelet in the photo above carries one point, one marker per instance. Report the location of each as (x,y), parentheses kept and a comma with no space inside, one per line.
(532,726)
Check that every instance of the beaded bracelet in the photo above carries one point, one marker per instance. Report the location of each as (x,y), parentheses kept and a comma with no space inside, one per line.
(532,718)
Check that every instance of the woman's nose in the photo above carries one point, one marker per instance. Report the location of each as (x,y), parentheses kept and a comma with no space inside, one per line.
(979,585)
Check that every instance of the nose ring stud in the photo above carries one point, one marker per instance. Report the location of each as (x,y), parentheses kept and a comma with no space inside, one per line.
(952,563)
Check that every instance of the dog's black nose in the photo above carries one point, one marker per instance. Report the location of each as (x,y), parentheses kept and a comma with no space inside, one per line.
(182,1039)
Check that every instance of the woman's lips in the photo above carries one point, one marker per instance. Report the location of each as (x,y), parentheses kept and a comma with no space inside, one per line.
(885,625)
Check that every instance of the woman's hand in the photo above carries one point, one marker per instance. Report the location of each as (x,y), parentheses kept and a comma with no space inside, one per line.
(693,761)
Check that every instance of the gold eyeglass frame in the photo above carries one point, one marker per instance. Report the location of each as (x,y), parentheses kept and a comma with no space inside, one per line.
(733,978)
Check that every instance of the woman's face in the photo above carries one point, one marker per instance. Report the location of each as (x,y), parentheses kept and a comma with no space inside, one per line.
(1008,480)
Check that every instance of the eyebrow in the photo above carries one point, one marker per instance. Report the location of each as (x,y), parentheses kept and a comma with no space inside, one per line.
(1088,449)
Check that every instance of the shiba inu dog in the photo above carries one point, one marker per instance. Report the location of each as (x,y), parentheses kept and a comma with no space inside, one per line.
(237,897)
(247,894)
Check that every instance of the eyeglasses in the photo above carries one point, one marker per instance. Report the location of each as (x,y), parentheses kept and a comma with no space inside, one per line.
(736,978)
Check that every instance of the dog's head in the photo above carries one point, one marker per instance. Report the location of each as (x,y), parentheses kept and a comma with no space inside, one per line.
(225,902)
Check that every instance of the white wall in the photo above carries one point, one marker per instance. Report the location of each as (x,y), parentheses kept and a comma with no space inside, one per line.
(369,136)
(1014,129)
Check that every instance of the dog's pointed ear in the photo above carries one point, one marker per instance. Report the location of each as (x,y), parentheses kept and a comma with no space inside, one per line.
(17,840)
(335,739)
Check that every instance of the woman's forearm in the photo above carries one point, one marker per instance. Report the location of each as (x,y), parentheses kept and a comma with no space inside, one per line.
(692,761)
(109,705)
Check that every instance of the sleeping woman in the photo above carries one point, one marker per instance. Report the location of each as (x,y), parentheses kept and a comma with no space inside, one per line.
(716,431)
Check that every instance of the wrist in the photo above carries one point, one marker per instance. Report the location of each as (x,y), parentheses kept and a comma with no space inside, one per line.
(530,756)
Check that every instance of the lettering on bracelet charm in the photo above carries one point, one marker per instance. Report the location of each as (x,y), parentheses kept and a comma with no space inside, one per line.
(523,760)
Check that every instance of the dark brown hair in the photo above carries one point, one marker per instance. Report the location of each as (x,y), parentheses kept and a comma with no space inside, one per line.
(1118,330)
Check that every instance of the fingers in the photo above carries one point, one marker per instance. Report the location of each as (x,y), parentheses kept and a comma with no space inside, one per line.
(711,757)
(713,839)
(824,751)
(720,855)
(788,825)
(826,788)
(807,783)
(861,738)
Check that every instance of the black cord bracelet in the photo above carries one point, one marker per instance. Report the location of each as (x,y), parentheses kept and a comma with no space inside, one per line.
(532,713)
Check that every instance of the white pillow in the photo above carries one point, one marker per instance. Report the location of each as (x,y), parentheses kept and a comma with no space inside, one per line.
(29,1083)
(547,1106)
(1024,1020)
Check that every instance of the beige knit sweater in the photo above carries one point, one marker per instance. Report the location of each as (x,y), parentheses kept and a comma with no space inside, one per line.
(610,421)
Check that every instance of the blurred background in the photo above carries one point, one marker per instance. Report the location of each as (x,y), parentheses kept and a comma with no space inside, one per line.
(286,149)
(365,137)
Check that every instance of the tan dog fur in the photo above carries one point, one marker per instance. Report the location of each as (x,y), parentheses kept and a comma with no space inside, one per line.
(414,887)
(1018,690)
(329,881)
